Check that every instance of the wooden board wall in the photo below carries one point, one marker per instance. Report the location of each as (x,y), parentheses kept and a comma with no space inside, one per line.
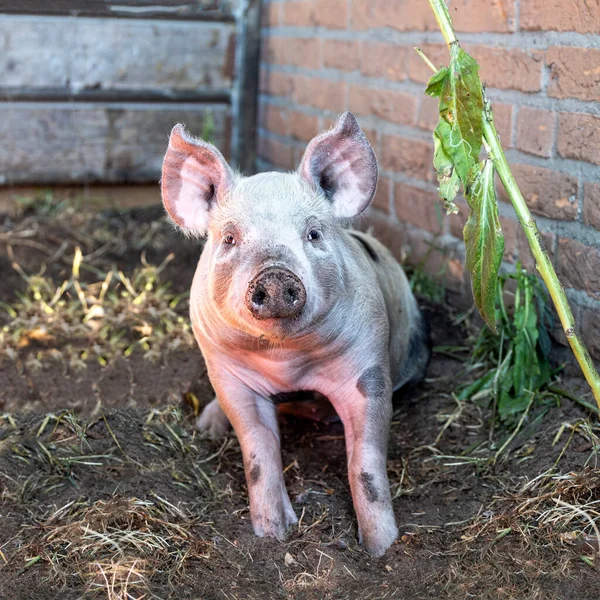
(92,99)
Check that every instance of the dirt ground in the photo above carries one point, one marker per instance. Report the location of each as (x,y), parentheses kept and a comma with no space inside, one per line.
(107,490)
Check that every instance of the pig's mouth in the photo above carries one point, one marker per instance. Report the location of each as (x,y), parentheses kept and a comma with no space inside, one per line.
(275,296)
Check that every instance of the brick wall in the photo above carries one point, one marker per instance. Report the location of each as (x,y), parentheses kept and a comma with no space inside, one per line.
(540,60)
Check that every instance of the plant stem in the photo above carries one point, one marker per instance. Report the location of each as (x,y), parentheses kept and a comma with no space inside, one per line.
(543,262)
(429,63)
(442,16)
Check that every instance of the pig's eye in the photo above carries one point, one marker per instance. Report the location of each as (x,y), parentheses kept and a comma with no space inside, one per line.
(229,240)
(313,235)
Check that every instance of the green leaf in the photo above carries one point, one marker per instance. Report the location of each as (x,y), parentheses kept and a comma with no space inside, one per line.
(460,128)
(446,174)
(484,243)
(436,83)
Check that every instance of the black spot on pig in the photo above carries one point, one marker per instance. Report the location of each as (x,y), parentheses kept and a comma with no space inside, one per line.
(419,351)
(369,488)
(254,474)
(367,247)
(371,384)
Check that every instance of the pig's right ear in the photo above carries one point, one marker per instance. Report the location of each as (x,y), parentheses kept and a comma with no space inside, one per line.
(194,176)
(342,164)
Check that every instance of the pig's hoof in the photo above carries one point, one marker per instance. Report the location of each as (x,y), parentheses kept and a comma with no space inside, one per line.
(380,536)
(213,421)
(273,519)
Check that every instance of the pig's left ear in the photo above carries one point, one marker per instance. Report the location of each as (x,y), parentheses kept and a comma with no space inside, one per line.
(342,164)
(194,177)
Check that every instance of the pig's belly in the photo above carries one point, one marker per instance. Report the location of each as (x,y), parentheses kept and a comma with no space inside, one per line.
(306,404)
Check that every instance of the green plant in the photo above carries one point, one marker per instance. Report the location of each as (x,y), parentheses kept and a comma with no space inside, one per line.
(426,286)
(518,353)
(466,124)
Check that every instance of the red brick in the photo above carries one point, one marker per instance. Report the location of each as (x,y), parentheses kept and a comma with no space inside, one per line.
(271,14)
(332,14)
(574,73)
(291,123)
(403,15)
(590,330)
(299,14)
(397,107)
(411,157)
(579,137)
(303,126)
(509,68)
(503,114)
(429,115)
(582,16)
(278,84)
(510,229)
(535,131)
(384,60)
(320,93)
(417,68)
(591,205)
(341,55)
(274,119)
(475,16)
(276,152)
(417,206)
(579,266)
(548,193)
(381,201)
(299,52)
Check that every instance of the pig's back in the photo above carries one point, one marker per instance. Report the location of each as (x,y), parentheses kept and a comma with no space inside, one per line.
(409,347)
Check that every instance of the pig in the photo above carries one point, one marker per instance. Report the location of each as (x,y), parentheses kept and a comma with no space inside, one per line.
(286,298)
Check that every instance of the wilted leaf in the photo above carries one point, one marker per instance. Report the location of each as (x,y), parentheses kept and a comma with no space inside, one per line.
(436,83)
(460,128)
(484,243)
(446,174)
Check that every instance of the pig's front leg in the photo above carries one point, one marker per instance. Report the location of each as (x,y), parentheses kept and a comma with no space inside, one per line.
(365,408)
(254,420)
(213,420)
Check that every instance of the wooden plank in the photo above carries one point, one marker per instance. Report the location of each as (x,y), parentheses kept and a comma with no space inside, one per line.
(202,10)
(89,197)
(64,143)
(114,54)
(52,94)
(45,145)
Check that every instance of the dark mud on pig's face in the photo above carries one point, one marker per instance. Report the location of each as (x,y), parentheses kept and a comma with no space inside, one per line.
(274,262)
(274,268)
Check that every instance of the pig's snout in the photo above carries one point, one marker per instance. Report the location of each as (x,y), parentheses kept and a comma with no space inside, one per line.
(275,293)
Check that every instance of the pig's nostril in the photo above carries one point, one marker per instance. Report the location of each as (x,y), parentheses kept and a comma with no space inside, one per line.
(259,297)
(292,295)
(275,293)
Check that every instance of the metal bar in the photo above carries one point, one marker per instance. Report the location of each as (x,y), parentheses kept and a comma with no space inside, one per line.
(245,89)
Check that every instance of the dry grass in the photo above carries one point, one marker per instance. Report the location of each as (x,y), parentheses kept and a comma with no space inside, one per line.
(77,321)
(134,505)
(116,547)
(121,547)
(75,304)
(534,533)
